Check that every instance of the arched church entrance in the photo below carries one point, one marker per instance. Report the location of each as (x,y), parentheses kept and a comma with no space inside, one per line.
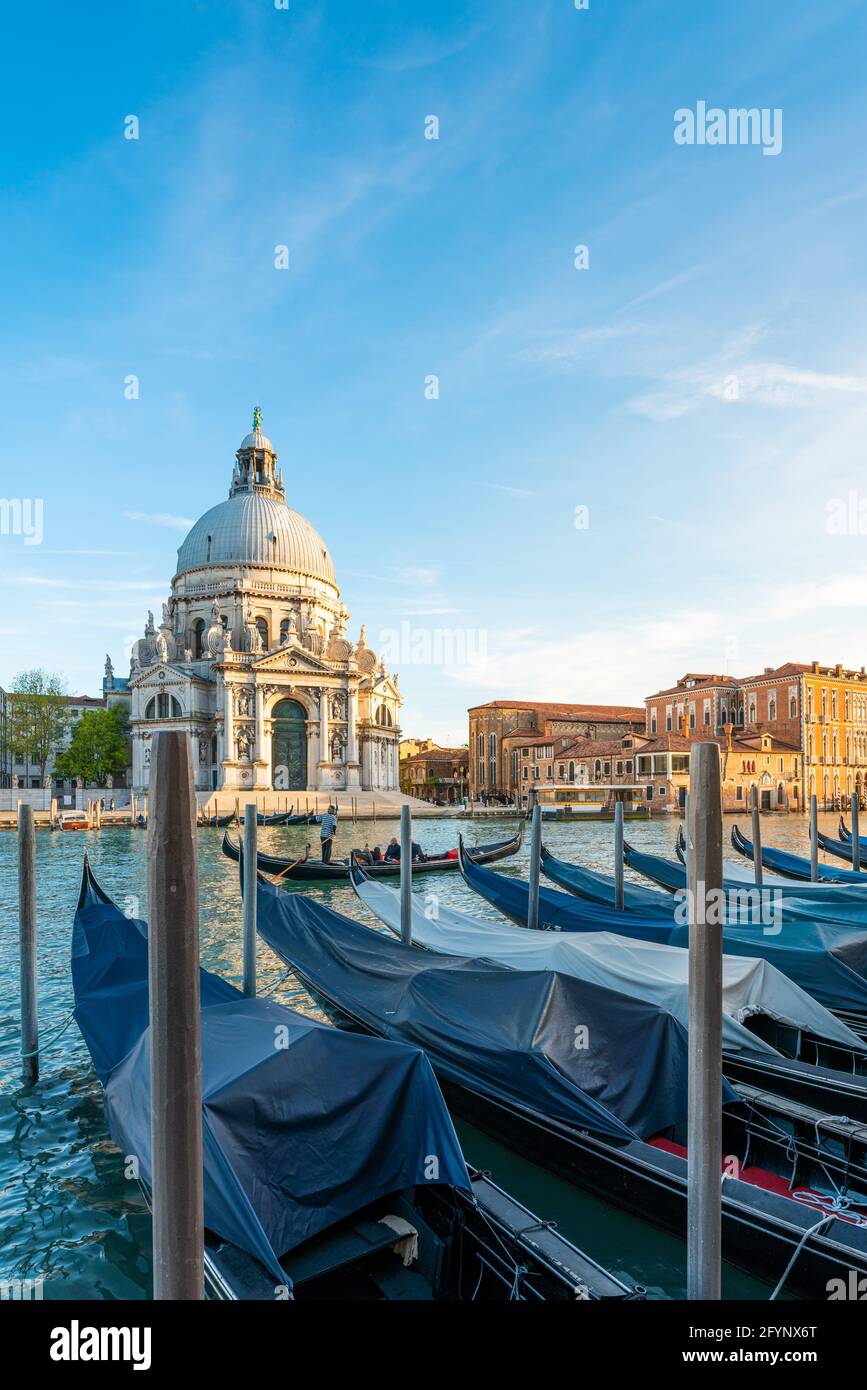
(289,746)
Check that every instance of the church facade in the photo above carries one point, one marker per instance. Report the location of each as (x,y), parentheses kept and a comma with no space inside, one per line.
(251,656)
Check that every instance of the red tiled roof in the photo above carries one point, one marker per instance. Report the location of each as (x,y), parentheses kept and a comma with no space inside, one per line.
(565,711)
(596,748)
(671,743)
(789,668)
(439,755)
(701,683)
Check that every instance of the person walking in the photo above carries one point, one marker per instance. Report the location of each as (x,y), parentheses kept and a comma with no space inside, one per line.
(327,831)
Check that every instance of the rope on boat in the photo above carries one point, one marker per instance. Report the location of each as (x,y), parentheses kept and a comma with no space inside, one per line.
(43,1047)
(811,1230)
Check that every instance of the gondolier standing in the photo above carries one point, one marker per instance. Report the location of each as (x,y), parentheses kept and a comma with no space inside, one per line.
(327,832)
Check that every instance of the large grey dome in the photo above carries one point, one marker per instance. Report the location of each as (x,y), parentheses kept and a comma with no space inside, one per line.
(253,529)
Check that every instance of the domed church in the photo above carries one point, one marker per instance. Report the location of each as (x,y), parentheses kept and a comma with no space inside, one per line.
(251,657)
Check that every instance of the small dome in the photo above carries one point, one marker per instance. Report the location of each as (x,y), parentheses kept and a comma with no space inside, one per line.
(252,529)
(257,440)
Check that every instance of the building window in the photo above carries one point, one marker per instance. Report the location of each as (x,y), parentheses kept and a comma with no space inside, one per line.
(620,769)
(199,639)
(793,708)
(653,723)
(629,767)
(163,707)
(524,773)
(772,709)
(481,745)
(571,772)
(650,793)
(739,794)
(561,772)
(262,628)
(481,771)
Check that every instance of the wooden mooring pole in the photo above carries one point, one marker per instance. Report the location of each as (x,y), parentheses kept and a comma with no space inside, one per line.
(757,834)
(251,864)
(175,1023)
(814,839)
(406,875)
(618,855)
(856,843)
(704,1138)
(535,863)
(27,943)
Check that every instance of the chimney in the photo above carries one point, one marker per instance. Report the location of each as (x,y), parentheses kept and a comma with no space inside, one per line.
(815,668)
(727,730)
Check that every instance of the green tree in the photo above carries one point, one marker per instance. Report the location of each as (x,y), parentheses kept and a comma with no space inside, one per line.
(39,717)
(98,748)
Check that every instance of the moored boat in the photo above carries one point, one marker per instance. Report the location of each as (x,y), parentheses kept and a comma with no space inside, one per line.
(795,865)
(608,1116)
(827,959)
(308,869)
(300,1203)
(590,801)
(774,1033)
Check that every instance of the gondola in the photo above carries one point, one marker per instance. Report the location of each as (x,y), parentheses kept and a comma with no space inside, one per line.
(841,849)
(775,1035)
(308,869)
(795,865)
(845,834)
(218,822)
(746,902)
(274,818)
(314,1191)
(826,959)
(509,1050)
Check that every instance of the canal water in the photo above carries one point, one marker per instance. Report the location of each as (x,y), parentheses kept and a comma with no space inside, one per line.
(67,1214)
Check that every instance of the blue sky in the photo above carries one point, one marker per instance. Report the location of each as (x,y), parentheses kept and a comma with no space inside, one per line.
(610,388)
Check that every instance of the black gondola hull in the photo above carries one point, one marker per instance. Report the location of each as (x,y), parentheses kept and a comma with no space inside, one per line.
(314,871)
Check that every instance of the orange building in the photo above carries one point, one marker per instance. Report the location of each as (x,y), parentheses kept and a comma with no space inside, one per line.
(815,717)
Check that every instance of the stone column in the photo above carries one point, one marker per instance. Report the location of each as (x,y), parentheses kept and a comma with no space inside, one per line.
(353,771)
(324,750)
(228,725)
(352,740)
(260,724)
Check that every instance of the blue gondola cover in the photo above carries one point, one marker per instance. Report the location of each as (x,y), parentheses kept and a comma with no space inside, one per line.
(539,1041)
(302,1125)
(826,959)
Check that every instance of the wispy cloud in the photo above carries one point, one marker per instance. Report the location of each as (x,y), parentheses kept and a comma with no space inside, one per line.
(418,574)
(773,384)
(507,490)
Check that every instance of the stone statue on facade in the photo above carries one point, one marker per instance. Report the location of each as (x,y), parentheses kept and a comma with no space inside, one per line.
(215,638)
